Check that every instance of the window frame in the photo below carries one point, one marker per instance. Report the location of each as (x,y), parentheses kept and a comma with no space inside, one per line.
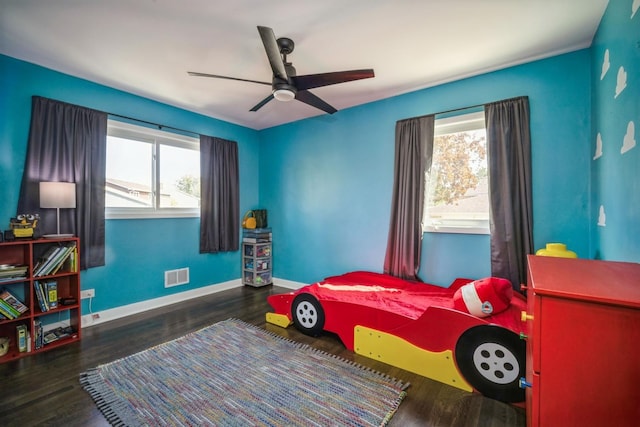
(155,137)
(466,121)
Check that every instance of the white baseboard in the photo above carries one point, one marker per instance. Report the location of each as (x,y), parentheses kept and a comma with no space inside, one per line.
(288,283)
(99,317)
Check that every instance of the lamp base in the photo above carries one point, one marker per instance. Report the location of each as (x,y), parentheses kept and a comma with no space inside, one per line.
(56,236)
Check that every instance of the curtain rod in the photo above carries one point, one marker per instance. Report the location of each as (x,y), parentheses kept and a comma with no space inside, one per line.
(459,109)
(463,108)
(444,112)
(158,125)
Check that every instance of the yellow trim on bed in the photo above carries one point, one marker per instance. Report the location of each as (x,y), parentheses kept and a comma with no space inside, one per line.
(397,352)
(278,319)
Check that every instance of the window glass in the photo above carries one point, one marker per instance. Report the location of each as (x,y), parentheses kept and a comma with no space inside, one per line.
(151,173)
(179,177)
(129,173)
(457,191)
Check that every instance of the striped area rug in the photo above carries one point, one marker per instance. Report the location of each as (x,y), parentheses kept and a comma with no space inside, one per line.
(236,374)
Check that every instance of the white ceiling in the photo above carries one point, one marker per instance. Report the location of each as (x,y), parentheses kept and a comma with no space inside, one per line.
(146,47)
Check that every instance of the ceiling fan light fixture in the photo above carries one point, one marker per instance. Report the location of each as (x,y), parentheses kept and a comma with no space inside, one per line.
(286,84)
(284,95)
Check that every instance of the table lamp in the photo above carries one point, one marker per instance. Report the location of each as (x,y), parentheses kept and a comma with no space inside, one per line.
(59,195)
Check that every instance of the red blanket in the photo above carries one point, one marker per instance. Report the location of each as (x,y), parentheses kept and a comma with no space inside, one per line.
(406,298)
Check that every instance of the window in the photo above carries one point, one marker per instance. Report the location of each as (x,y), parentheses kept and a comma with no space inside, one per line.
(151,173)
(457,190)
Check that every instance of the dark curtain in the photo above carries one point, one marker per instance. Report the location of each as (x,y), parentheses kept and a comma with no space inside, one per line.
(511,211)
(67,143)
(413,155)
(220,195)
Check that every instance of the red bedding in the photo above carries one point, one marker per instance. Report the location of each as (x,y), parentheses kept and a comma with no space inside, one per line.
(409,299)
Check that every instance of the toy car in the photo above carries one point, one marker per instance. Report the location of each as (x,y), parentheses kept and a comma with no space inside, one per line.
(419,327)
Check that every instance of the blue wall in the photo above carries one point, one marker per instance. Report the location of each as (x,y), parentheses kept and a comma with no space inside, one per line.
(615,163)
(137,251)
(327,181)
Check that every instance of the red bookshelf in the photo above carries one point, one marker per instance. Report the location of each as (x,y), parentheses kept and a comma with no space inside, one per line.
(21,274)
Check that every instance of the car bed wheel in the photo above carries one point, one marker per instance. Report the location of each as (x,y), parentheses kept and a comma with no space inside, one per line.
(307,314)
(492,360)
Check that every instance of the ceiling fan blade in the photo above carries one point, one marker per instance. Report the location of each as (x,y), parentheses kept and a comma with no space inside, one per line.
(261,104)
(193,73)
(273,52)
(311,81)
(310,99)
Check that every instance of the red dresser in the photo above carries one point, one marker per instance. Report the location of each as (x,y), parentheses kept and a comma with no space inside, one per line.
(583,343)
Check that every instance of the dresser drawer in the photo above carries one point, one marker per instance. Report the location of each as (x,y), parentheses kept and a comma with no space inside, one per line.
(589,365)
(583,334)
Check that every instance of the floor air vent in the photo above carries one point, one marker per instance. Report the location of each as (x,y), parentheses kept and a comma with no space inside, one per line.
(176,277)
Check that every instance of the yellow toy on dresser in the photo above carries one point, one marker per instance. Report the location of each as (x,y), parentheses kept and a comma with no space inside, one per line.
(556,250)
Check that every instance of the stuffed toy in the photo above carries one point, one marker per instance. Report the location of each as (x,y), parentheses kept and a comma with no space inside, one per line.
(4,345)
(484,297)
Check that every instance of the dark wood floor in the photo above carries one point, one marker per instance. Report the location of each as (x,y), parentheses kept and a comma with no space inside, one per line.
(44,390)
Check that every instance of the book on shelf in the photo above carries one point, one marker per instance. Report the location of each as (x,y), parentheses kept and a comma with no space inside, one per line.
(12,272)
(42,302)
(62,259)
(13,300)
(52,294)
(44,259)
(10,306)
(57,334)
(74,260)
(46,293)
(21,331)
(49,337)
(6,313)
(37,324)
(8,310)
(53,260)
(61,262)
(48,266)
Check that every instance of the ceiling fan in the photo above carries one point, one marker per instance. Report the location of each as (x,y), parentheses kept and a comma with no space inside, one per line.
(286,85)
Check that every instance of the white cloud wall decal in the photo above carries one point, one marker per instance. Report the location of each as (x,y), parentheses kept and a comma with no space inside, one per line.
(629,140)
(598,147)
(605,63)
(621,82)
(634,7)
(602,217)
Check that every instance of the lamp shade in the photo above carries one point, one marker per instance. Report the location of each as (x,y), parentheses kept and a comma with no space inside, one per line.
(58,195)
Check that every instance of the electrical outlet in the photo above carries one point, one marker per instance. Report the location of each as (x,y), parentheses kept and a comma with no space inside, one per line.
(87,293)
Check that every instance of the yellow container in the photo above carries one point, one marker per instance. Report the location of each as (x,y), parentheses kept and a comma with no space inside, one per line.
(556,250)
(249,220)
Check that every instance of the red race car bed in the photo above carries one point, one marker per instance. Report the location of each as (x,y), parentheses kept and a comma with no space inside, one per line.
(466,335)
